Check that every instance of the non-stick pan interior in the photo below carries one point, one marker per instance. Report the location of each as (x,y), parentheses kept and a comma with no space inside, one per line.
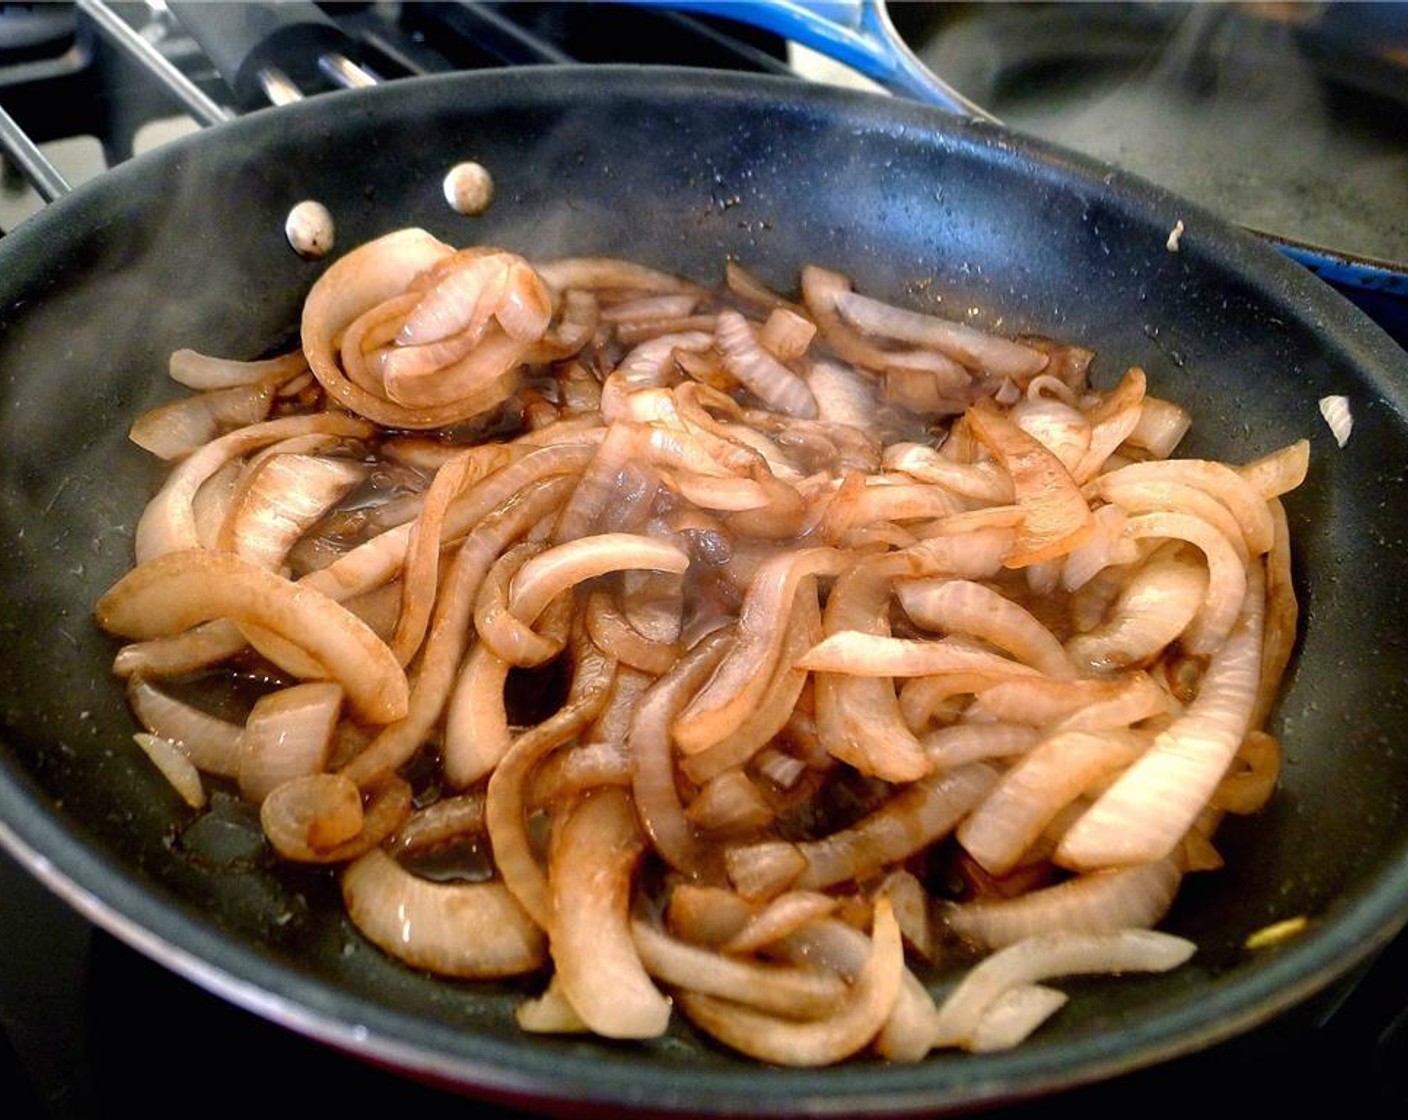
(681,170)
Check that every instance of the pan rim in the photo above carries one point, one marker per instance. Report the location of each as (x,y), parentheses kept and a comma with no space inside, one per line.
(55,855)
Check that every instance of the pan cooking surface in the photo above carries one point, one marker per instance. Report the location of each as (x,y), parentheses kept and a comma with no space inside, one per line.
(680,170)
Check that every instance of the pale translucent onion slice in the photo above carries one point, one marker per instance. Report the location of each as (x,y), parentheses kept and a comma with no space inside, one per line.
(1338,417)
(955,744)
(547,575)
(1113,418)
(974,348)
(758,370)
(831,943)
(168,522)
(1044,956)
(282,499)
(1279,472)
(1012,1017)
(974,608)
(872,655)
(1227,575)
(1030,794)
(780,918)
(175,766)
(212,744)
(474,930)
(1059,427)
(982,481)
(1145,813)
(1218,479)
(288,735)
(1133,897)
(858,719)
(1161,427)
(1055,516)
(1156,605)
(742,678)
(609,272)
(550,1013)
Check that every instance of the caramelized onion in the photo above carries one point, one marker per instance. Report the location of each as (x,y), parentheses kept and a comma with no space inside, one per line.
(706,619)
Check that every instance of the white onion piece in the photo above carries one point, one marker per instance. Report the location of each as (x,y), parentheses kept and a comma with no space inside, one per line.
(1160,600)
(742,678)
(168,523)
(1106,546)
(212,744)
(825,1041)
(858,719)
(955,744)
(284,498)
(787,334)
(1280,471)
(982,481)
(1218,479)
(842,395)
(1134,897)
(168,757)
(976,349)
(974,608)
(1043,956)
(1029,795)
(474,930)
(288,735)
(1227,575)
(308,816)
(1012,1017)
(550,1013)
(547,575)
(1060,428)
(761,373)
(1145,813)
(781,917)
(874,655)
(609,272)
(1335,410)
(1160,428)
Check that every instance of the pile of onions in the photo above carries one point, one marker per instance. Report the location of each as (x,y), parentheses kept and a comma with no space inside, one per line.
(779,659)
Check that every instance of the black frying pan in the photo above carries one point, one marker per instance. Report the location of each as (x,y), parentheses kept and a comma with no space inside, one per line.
(679,169)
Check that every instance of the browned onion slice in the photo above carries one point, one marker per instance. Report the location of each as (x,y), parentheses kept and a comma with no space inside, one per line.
(824,1041)
(593,858)
(474,930)
(181,589)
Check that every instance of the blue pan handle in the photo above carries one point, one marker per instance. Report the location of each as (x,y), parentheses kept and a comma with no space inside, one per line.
(857,33)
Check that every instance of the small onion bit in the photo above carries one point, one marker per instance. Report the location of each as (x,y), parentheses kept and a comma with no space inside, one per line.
(310,230)
(468,188)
